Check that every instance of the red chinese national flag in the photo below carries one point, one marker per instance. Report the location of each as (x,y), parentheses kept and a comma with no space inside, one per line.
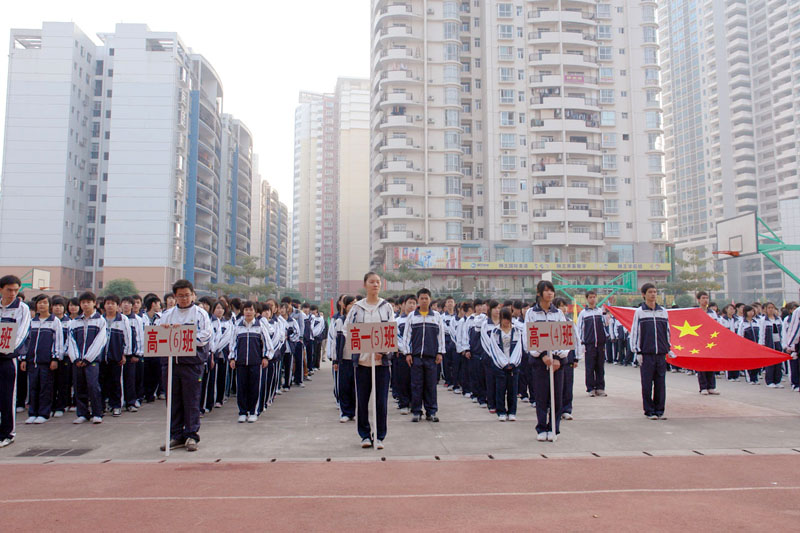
(702,344)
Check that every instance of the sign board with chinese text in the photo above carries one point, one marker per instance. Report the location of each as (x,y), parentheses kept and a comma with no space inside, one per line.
(546,336)
(372,337)
(175,341)
(8,337)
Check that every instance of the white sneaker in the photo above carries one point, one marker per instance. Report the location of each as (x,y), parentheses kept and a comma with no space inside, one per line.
(366,443)
(40,420)
(771,385)
(343,419)
(379,445)
(97,420)
(550,436)
(80,420)
(242,418)
(251,419)
(474,399)
(405,411)
(116,412)
(6,442)
(30,420)
(541,437)
(566,416)
(302,385)
(20,409)
(704,392)
(502,418)
(779,386)
(58,414)
(512,418)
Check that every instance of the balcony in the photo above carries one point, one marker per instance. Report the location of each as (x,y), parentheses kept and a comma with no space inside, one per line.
(396,189)
(400,77)
(545,191)
(396,212)
(396,236)
(396,34)
(399,167)
(401,121)
(400,144)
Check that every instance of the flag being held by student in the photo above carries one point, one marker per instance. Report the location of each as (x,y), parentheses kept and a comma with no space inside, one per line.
(700,343)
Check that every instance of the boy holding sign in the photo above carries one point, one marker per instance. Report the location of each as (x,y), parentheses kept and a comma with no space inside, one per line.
(12,311)
(187,372)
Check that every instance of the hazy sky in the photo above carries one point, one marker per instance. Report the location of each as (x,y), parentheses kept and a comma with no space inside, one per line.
(265,52)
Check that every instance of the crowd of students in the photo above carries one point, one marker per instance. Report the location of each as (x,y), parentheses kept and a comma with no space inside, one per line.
(85,355)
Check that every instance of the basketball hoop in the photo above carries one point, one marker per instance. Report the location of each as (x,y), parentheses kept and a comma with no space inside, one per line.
(730,253)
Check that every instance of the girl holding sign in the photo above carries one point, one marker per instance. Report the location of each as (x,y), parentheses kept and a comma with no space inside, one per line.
(545,311)
(373,308)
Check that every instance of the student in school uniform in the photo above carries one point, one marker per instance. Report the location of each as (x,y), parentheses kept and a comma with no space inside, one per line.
(62,377)
(289,350)
(727,320)
(592,337)
(462,347)
(187,372)
(373,308)
(298,359)
(793,366)
(345,371)
(650,341)
(475,353)
(41,359)
(423,340)
(87,342)
(504,348)
(278,336)
(449,319)
(129,370)
(491,323)
(250,352)
(115,354)
(12,309)
(154,384)
(545,311)
(769,335)
(330,346)
(139,372)
(748,328)
(317,333)
(220,347)
(706,380)
(402,367)
(308,341)
(570,364)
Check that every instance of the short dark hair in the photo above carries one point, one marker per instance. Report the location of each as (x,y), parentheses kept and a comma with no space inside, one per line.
(505,314)
(646,287)
(477,302)
(87,296)
(73,301)
(304,305)
(286,300)
(314,308)
(167,296)
(423,290)
(128,299)
(111,298)
(700,294)
(136,297)
(182,284)
(558,302)
(247,304)
(39,297)
(449,298)
(59,300)
(544,285)
(10,279)
(590,293)
(236,303)
(209,301)
(150,300)
(370,274)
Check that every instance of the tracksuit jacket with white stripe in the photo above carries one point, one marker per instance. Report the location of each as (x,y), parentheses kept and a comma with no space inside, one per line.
(650,330)
(45,342)
(19,312)
(591,327)
(537,314)
(424,334)
(87,338)
(252,342)
(118,343)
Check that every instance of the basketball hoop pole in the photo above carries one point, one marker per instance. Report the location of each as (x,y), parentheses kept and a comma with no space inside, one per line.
(777,245)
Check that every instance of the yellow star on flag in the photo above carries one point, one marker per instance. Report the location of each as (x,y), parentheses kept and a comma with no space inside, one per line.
(715,335)
(695,352)
(678,347)
(710,345)
(688,329)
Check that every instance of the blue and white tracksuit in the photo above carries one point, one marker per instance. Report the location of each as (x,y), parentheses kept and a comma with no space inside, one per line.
(118,347)
(87,341)
(423,340)
(650,341)
(251,345)
(17,311)
(541,379)
(592,335)
(45,345)
(505,353)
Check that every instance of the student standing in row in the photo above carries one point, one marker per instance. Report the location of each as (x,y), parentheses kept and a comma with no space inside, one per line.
(12,309)
(504,348)
(650,342)
(769,335)
(573,356)
(62,384)
(87,341)
(187,372)
(250,352)
(41,360)
(707,380)
(545,311)
(403,367)
(345,371)
(116,353)
(592,335)
(131,368)
(373,308)
(748,328)
(423,341)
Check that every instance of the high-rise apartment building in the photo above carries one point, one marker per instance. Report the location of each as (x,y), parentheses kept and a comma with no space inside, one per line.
(511,139)
(331,182)
(745,127)
(273,227)
(152,181)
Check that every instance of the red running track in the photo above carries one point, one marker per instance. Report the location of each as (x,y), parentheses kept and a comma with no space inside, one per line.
(619,494)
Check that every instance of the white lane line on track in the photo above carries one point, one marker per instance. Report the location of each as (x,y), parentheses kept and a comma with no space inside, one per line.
(398,496)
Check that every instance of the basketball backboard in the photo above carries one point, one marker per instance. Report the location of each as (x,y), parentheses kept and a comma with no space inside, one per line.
(738,234)
(40,279)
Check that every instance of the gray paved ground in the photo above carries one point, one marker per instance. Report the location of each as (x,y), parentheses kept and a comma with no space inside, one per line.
(303,425)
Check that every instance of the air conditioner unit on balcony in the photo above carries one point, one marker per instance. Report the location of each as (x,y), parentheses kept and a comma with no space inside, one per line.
(430,98)
(417,117)
(430,121)
(430,11)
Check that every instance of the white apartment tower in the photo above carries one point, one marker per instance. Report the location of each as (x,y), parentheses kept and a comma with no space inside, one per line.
(510,138)
(145,190)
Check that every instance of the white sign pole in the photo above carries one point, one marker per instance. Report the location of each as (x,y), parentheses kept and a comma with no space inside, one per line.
(169,405)
(553,413)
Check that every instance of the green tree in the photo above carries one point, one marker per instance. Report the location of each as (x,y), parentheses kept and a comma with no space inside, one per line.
(404,272)
(120,287)
(248,280)
(693,273)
